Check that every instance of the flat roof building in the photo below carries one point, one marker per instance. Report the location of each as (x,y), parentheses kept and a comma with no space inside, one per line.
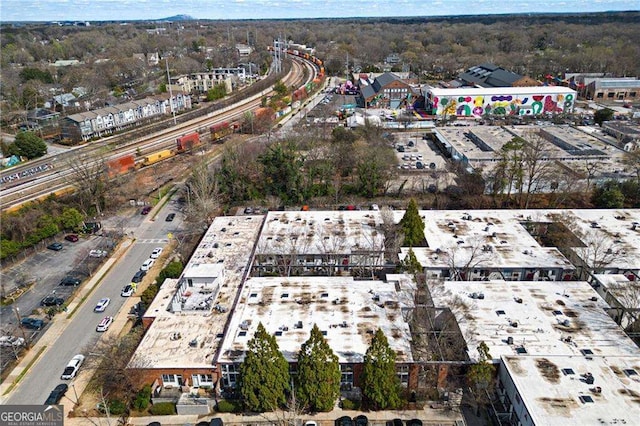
(500,101)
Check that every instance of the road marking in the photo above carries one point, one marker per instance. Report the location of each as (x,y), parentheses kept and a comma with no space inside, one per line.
(153,241)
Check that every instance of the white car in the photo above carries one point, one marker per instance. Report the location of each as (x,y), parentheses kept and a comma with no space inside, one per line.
(97,253)
(102,304)
(147,265)
(11,341)
(72,368)
(156,253)
(127,290)
(104,324)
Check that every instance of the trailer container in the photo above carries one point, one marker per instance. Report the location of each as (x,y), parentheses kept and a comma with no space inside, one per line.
(188,142)
(120,165)
(221,130)
(157,156)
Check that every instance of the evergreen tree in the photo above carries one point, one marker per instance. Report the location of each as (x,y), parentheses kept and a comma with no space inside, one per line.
(412,225)
(264,374)
(410,263)
(380,384)
(318,380)
(29,145)
(480,375)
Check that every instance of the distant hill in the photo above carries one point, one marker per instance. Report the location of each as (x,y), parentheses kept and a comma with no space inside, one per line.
(177,18)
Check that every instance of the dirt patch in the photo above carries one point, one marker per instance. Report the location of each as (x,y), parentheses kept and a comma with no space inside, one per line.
(549,370)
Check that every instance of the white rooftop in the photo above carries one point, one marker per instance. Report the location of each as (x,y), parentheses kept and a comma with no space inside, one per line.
(449,234)
(543,317)
(555,391)
(348,311)
(191,339)
(319,232)
(455,236)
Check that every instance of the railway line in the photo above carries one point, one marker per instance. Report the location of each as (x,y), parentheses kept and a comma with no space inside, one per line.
(55,174)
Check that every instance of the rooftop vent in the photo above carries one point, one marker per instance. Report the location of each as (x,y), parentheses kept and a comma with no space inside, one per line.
(475,295)
(518,299)
(588,378)
(585,399)
(500,312)
(298,324)
(193,343)
(510,340)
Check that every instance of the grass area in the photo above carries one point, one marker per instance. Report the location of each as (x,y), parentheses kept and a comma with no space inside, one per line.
(24,372)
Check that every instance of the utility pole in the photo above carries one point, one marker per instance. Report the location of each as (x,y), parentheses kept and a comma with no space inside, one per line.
(173,111)
(16,310)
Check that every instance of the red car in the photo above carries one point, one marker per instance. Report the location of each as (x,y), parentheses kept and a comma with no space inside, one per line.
(72,237)
(146,210)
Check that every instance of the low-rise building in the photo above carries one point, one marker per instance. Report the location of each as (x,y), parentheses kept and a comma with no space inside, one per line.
(499,101)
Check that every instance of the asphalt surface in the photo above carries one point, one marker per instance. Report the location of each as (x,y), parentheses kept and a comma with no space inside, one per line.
(79,333)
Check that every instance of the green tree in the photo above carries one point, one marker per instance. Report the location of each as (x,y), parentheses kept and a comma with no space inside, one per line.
(29,145)
(412,225)
(602,115)
(218,91)
(318,379)
(282,172)
(70,219)
(264,373)
(608,196)
(380,384)
(172,270)
(480,375)
(410,263)
(280,88)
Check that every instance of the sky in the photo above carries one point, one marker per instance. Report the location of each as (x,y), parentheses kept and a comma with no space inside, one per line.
(121,10)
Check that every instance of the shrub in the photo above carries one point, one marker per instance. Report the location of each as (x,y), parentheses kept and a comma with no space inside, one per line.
(142,398)
(225,406)
(348,404)
(163,409)
(117,407)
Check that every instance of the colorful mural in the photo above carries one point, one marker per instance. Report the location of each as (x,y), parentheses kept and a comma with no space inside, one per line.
(481,105)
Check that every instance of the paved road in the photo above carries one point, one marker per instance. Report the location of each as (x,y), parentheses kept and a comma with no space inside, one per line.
(79,335)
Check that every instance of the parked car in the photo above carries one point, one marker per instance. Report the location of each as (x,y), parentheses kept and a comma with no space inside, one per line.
(11,341)
(145,210)
(138,276)
(102,304)
(52,300)
(170,217)
(104,324)
(72,367)
(69,280)
(56,394)
(156,253)
(98,253)
(55,246)
(33,323)
(72,237)
(147,265)
(127,291)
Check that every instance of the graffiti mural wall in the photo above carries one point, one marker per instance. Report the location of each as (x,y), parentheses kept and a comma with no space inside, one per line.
(474,102)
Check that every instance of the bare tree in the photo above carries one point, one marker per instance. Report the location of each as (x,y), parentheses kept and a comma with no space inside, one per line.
(203,199)
(467,256)
(89,178)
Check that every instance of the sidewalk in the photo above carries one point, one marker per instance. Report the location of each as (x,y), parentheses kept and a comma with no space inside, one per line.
(57,327)
(427,415)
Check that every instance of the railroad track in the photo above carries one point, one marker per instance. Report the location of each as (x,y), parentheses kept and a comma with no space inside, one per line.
(55,174)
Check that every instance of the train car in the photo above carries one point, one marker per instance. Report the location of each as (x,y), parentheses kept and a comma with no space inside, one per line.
(120,165)
(157,156)
(221,130)
(188,142)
